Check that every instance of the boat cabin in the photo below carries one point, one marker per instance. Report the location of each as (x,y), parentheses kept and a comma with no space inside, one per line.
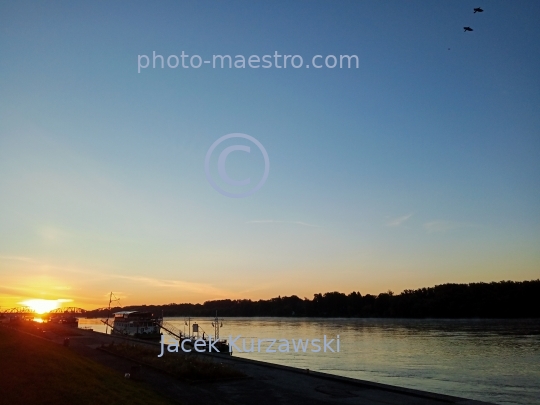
(139,324)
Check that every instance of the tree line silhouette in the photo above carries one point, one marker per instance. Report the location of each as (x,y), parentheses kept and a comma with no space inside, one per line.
(504,299)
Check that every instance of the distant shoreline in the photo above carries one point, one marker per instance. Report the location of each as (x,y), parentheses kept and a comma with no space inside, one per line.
(496,300)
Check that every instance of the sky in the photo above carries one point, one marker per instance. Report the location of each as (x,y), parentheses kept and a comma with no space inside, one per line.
(418,167)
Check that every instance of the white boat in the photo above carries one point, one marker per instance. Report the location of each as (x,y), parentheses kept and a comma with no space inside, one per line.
(137,324)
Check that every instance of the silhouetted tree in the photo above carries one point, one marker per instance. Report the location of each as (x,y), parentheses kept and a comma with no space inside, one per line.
(505,299)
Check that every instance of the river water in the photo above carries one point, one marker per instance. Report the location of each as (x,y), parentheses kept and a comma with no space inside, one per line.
(490,360)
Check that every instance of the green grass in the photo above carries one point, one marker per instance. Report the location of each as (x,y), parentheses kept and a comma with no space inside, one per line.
(185,366)
(38,372)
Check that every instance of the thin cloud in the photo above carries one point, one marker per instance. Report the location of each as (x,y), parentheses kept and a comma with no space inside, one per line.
(181,286)
(18,259)
(398,221)
(174,284)
(62,287)
(445,226)
(272,221)
(52,234)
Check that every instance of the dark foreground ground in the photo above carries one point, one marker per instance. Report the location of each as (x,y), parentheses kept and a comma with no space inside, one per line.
(41,370)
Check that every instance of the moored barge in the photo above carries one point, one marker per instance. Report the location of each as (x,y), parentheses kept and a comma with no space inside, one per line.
(137,324)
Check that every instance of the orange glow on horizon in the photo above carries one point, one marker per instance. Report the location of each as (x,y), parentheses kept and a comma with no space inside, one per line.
(42,306)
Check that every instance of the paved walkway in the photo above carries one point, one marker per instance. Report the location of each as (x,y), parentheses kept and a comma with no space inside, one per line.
(266,383)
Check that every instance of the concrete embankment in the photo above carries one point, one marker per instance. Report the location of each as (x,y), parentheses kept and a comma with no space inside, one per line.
(265,383)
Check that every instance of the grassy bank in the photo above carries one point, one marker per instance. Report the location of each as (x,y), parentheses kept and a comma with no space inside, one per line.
(184,366)
(35,371)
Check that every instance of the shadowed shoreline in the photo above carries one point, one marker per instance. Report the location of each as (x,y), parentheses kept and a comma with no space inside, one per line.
(262,383)
(504,299)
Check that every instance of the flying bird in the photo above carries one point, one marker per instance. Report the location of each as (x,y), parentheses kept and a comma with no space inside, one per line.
(467,29)
(478,10)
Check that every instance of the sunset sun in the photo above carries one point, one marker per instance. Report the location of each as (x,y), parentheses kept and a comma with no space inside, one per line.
(42,306)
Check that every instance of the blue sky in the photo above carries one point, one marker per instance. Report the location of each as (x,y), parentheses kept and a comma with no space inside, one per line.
(418,168)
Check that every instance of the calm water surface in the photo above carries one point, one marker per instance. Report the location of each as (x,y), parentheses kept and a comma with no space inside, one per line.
(490,360)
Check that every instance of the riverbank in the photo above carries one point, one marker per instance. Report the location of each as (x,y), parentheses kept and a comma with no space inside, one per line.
(39,371)
(265,383)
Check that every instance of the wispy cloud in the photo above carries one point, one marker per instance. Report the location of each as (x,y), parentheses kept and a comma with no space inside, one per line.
(18,259)
(272,221)
(62,287)
(445,226)
(96,276)
(40,265)
(52,234)
(398,221)
(185,286)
